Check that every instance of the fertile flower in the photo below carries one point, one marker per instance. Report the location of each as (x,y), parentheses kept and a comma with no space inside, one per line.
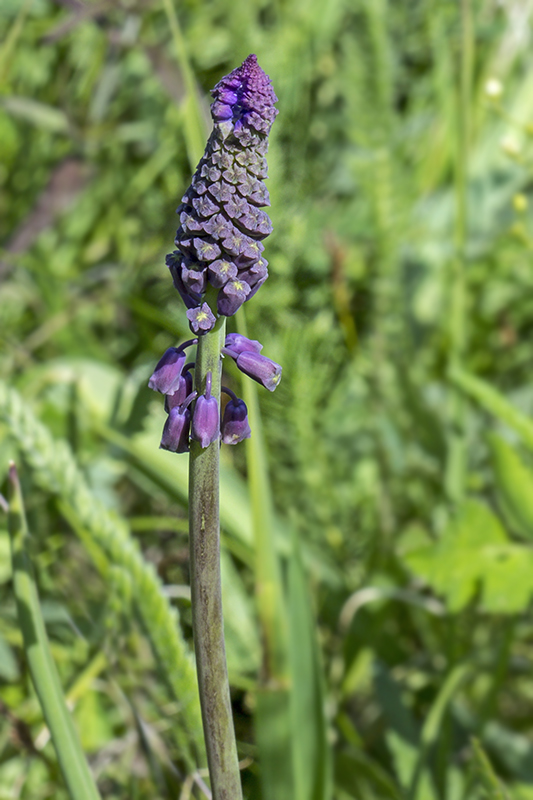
(183,391)
(206,418)
(239,344)
(176,431)
(260,368)
(221,221)
(166,376)
(235,425)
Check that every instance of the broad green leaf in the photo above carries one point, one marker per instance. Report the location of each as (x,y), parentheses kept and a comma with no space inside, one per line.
(474,552)
(515,486)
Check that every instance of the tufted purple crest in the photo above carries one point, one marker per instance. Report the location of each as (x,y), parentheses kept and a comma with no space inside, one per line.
(222,224)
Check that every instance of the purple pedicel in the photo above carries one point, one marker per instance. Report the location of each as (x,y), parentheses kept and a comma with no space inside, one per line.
(206,418)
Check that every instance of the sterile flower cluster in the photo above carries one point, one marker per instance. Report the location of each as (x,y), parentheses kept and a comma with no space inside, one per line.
(222,226)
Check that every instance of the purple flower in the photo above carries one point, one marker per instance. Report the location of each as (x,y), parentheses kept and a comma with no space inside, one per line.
(193,280)
(176,431)
(221,271)
(220,219)
(232,296)
(183,391)
(166,375)
(206,417)
(260,368)
(201,319)
(240,344)
(235,425)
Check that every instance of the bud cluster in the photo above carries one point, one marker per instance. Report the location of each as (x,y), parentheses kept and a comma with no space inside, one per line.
(222,224)
(172,377)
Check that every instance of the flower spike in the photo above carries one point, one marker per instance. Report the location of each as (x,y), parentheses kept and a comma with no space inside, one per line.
(222,224)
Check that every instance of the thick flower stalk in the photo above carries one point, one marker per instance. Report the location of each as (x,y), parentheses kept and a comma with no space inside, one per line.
(218,265)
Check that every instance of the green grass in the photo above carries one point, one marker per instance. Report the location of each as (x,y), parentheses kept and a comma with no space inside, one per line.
(385,504)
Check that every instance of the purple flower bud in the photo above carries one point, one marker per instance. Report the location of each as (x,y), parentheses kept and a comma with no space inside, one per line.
(235,425)
(260,368)
(176,431)
(166,375)
(240,344)
(173,261)
(231,297)
(206,417)
(201,319)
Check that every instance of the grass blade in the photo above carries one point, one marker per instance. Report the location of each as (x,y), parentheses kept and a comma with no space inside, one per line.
(272,718)
(494,402)
(43,670)
(311,751)
(57,472)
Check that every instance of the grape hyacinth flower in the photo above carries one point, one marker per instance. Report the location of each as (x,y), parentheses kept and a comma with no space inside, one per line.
(176,431)
(218,265)
(205,421)
(235,427)
(222,225)
(166,376)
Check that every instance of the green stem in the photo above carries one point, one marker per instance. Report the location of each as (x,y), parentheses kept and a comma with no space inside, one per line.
(206,592)
(456,464)
(80,782)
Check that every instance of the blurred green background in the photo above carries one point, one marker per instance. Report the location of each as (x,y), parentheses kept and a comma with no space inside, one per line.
(392,486)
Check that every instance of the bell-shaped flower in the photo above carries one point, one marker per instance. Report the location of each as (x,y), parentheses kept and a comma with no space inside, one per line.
(183,391)
(235,425)
(260,368)
(166,376)
(236,344)
(206,417)
(176,431)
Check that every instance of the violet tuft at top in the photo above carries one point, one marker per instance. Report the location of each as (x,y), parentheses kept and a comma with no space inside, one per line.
(222,225)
